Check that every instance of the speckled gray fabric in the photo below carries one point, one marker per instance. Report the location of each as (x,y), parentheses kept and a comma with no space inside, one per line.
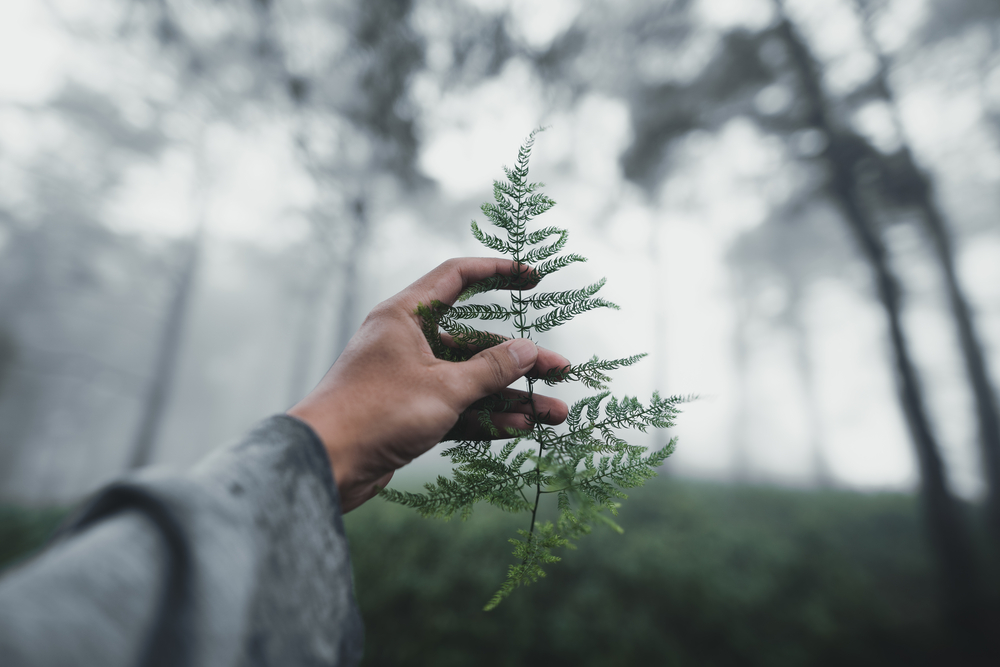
(241,562)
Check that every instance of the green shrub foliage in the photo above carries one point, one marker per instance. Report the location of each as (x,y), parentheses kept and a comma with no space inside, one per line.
(705,575)
(586,464)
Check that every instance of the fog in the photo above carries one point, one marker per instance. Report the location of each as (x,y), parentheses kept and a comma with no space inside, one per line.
(298,161)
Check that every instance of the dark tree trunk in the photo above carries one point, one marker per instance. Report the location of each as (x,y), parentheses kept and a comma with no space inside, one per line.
(950,542)
(165,368)
(920,189)
(157,397)
(972,353)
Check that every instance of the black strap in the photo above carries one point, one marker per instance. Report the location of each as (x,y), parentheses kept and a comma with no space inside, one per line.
(169,641)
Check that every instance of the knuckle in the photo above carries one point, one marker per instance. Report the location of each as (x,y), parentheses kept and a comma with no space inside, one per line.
(378,311)
(498,369)
(450,264)
(381,311)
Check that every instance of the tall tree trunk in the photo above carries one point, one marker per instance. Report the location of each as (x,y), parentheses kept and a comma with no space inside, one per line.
(937,229)
(950,542)
(974,357)
(359,235)
(807,375)
(741,469)
(157,397)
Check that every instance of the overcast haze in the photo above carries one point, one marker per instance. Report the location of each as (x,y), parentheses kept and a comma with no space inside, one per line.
(103,124)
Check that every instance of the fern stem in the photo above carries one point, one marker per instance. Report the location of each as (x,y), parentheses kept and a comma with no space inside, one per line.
(521,307)
(538,487)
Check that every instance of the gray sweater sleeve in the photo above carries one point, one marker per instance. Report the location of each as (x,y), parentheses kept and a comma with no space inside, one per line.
(241,562)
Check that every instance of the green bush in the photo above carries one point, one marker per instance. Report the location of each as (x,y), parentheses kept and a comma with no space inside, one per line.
(704,575)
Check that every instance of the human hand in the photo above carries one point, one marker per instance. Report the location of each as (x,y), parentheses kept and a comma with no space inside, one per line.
(387,399)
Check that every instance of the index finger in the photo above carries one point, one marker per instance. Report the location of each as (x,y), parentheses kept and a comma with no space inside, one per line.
(448,280)
(547,361)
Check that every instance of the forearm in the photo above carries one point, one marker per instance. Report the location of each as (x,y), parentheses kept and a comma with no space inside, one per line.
(89,601)
(264,577)
(251,543)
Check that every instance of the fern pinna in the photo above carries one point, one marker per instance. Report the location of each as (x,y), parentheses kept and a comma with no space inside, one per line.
(588,464)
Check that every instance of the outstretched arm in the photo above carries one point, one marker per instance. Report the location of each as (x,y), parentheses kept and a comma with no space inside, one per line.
(244,559)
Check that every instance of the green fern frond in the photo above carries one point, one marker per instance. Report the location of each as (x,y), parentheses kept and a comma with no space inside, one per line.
(490,241)
(547,299)
(564,314)
(590,373)
(482,312)
(467,337)
(589,462)
(544,252)
(499,216)
(534,551)
(553,265)
(536,237)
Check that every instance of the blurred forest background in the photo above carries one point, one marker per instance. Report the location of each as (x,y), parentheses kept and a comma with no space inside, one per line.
(796,204)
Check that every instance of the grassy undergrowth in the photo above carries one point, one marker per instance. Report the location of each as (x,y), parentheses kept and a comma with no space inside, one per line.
(704,575)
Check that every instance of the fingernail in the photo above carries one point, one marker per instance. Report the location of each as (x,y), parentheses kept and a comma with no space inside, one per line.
(523,352)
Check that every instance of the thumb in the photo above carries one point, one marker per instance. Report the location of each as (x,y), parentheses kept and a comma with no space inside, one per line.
(496,368)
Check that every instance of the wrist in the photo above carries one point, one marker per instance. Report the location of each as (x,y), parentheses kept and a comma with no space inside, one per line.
(339,453)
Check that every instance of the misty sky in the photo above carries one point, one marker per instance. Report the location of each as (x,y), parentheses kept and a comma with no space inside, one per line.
(668,248)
